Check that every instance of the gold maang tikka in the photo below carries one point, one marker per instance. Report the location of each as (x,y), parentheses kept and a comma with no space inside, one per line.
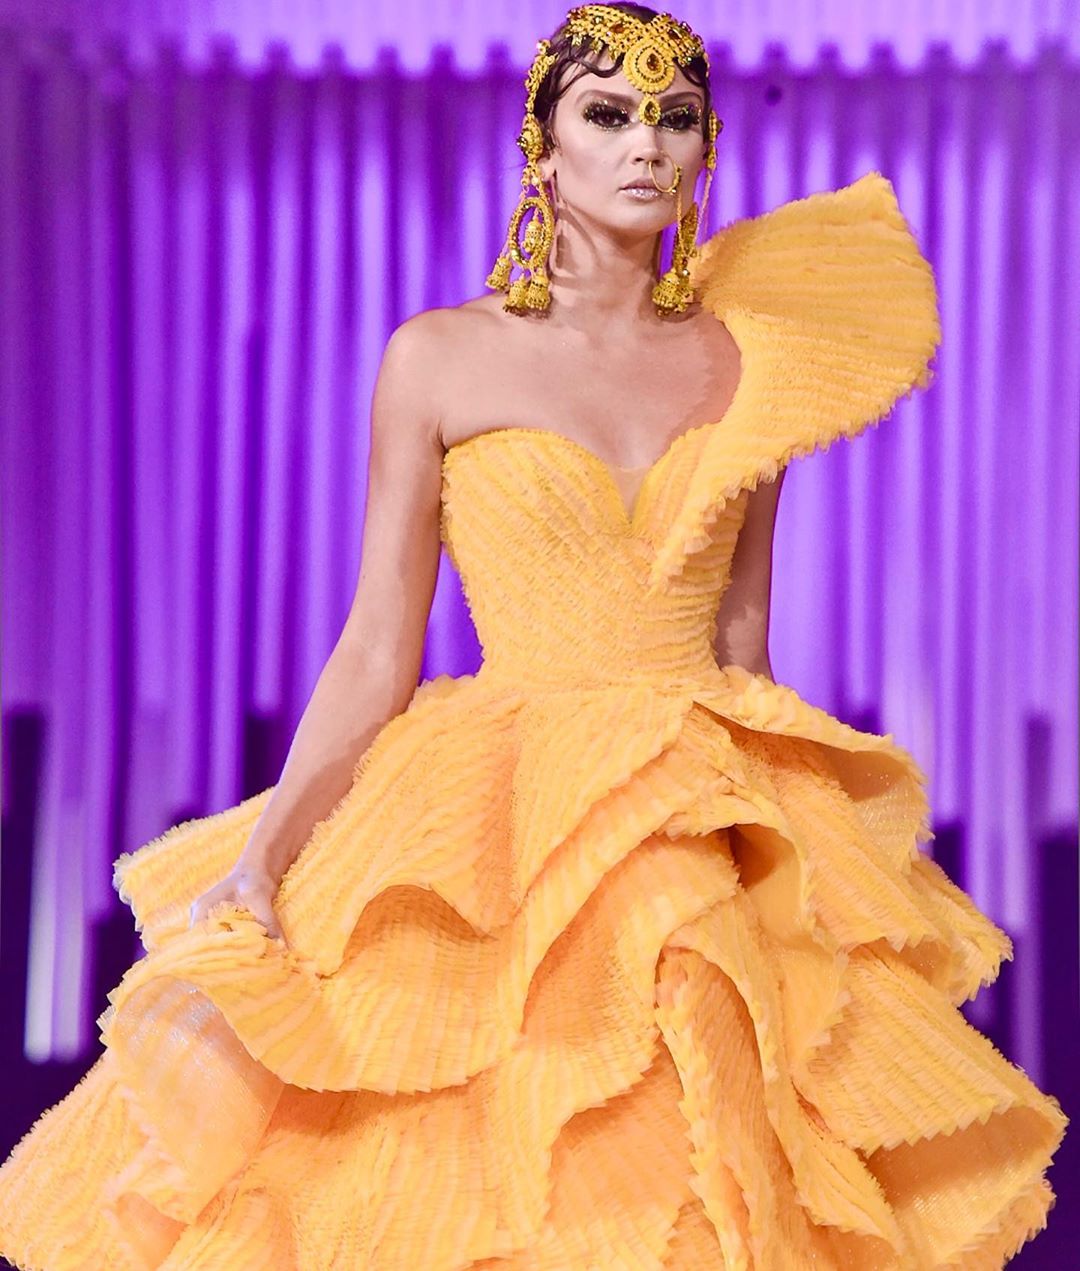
(650,50)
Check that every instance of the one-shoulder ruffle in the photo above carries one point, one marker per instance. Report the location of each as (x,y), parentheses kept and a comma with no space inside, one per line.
(835,310)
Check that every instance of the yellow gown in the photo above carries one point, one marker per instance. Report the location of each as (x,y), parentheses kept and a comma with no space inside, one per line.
(610,957)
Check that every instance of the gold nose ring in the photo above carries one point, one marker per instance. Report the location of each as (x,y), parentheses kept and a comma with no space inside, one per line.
(674,184)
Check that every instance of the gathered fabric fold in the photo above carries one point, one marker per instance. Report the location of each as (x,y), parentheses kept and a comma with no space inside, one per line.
(710,943)
(835,310)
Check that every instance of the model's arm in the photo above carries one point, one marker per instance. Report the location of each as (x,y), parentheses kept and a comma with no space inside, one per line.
(372,672)
(742,633)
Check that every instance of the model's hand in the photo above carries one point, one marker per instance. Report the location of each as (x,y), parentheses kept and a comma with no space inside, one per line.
(248,888)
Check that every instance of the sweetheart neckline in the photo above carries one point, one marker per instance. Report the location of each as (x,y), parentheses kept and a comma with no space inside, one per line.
(585,451)
(629,517)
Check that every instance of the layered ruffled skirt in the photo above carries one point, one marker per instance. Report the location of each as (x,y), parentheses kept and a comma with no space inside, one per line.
(617,978)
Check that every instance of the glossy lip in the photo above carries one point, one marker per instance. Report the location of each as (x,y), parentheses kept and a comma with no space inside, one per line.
(640,185)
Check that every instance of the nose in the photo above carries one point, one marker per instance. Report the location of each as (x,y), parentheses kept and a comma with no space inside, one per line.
(649,146)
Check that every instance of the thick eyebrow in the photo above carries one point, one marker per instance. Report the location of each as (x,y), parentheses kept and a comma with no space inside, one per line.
(624,100)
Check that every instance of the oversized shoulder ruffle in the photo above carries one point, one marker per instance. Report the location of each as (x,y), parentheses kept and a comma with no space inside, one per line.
(835,311)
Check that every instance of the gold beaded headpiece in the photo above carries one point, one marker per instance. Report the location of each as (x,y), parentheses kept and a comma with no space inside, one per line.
(650,51)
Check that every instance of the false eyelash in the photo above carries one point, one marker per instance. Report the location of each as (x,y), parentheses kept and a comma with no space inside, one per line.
(690,113)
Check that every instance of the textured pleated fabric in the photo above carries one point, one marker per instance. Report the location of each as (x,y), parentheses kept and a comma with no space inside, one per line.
(610,957)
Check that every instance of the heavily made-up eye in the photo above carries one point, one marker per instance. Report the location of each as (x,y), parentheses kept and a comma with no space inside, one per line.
(679,118)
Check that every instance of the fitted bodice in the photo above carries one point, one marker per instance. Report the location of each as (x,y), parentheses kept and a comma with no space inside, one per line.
(577,572)
(554,548)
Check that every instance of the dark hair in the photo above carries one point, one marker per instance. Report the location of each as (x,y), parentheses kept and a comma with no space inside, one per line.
(556,82)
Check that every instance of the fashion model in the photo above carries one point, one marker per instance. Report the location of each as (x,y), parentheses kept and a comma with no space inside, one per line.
(616,954)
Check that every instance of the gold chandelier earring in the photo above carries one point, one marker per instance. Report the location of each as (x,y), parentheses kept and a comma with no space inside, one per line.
(673,292)
(531,292)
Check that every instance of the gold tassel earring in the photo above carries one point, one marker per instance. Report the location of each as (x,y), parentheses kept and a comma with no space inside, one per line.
(673,292)
(530,293)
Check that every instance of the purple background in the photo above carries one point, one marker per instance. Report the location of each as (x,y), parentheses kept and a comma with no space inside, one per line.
(205,241)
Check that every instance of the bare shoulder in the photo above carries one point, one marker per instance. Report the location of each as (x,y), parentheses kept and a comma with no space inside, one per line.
(438,329)
(445,349)
(411,370)
(417,338)
(444,335)
(406,398)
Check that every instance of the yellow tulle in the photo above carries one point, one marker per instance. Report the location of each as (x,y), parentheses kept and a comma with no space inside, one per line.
(610,957)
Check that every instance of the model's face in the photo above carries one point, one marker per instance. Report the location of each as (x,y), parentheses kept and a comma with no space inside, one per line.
(601,145)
